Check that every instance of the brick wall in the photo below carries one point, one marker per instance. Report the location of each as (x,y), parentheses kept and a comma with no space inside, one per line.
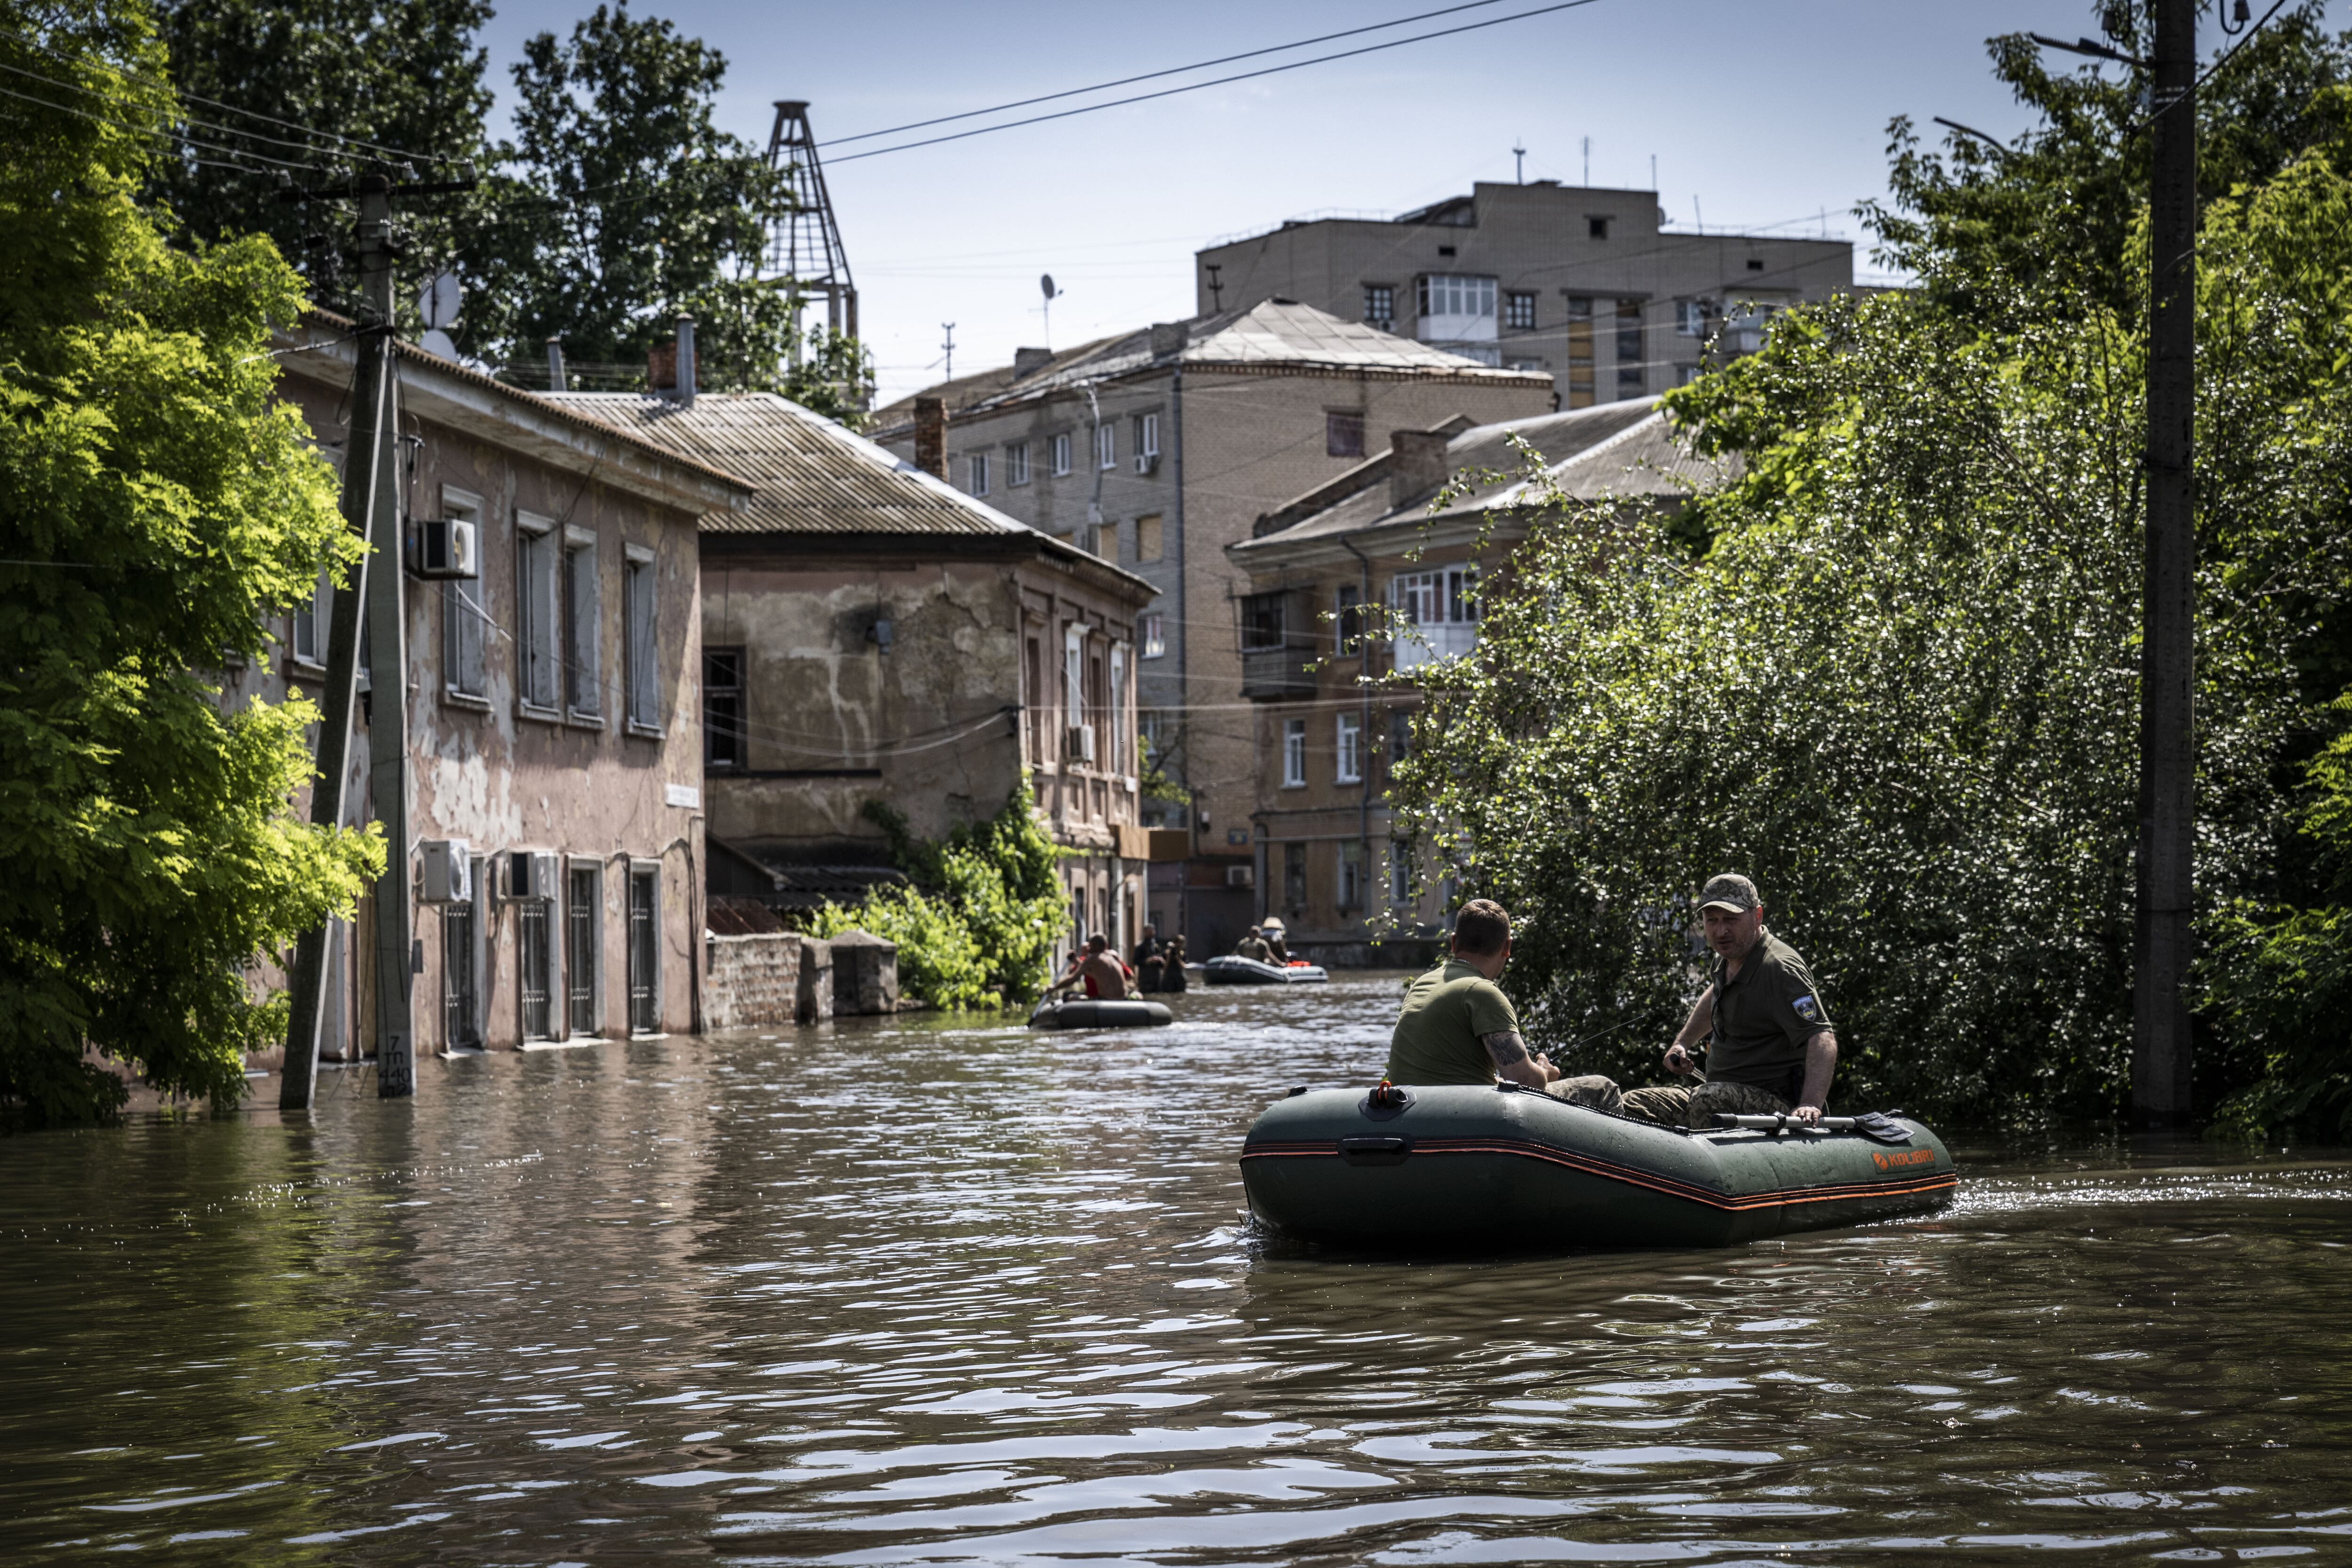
(754,981)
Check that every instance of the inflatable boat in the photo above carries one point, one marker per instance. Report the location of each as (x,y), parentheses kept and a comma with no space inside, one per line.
(1441,1167)
(1235,970)
(1086,1012)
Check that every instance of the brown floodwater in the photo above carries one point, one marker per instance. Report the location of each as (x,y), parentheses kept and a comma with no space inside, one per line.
(933,1290)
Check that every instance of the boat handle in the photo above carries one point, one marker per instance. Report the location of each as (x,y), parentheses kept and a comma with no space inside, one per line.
(1375,1151)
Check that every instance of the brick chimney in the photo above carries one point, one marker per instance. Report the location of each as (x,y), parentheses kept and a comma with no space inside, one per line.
(1027,362)
(931,437)
(1417,465)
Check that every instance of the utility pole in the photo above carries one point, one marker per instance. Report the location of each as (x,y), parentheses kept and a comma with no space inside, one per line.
(2168,776)
(947,350)
(371,508)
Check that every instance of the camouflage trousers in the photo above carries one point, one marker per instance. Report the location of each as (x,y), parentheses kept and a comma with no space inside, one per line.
(1670,1105)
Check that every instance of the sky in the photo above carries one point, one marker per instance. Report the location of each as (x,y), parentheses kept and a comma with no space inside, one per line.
(1757,116)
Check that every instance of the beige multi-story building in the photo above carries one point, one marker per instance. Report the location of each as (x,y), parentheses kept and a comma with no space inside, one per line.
(1584,284)
(870,634)
(1158,449)
(1329,724)
(553,713)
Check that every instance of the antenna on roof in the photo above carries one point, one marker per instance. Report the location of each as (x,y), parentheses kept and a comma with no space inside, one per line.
(804,244)
(1520,153)
(948,351)
(1045,287)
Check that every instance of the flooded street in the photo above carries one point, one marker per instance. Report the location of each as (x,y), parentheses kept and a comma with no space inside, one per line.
(917,1291)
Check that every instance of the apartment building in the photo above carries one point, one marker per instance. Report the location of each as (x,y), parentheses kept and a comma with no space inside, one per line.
(1586,284)
(1327,724)
(1156,450)
(553,713)
(870,633)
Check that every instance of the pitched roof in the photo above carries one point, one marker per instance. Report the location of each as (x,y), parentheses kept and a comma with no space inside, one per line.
(964,392)
(809,475)
(1273,334)
(1618,450)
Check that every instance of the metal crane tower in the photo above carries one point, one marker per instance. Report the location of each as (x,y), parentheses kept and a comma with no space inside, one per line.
(805,243)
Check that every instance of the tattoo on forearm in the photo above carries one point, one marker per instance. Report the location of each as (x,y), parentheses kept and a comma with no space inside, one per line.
(1504,1046)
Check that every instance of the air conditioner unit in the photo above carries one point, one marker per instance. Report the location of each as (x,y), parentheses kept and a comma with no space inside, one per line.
(445,548)
(1079,743)
(1241,877)
(448,871)
(531,874)
(1146,462)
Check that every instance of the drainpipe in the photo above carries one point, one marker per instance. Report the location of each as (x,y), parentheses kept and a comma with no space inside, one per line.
(1363,726)
(1183,633)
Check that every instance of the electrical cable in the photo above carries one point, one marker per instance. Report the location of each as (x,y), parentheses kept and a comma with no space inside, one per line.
(1221,81)
(1154,76)
(151,131)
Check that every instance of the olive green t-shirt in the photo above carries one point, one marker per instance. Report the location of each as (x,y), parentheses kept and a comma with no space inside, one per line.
(1762,1018)
(1437,1034)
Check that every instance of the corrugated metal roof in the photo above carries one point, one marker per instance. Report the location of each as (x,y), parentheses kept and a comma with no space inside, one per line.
(809,474)
(1614,450)
(1273,334)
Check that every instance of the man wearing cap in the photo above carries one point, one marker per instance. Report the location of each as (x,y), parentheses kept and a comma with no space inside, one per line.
(1773,1048)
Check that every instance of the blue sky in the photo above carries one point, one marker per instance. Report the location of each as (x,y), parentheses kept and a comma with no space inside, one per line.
(1765,114)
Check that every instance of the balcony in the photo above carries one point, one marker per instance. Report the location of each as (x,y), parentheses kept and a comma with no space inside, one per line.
(1272,674)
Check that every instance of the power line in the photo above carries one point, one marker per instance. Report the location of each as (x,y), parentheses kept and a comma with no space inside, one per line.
(1154,76)
(1220,81)
(161,133)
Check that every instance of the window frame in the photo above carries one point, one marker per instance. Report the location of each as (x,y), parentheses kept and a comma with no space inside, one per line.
(463,613)
(1106,446)
(582,623)
(1057,454)
(1348,748)
(1155,525)
(738,731)
(1016,465)
(1518,310)
(1343,433)
(976,472)
(1151,635)
(641,643)
(1294,754)
(539,596)
(1379,306)
(1147,443)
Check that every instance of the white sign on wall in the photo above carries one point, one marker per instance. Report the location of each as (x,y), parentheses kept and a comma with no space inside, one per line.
(688,796)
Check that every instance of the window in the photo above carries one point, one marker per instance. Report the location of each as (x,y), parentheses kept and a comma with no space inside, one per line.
(1579,351)
(1148,544)
(535,962)
(460,992)
(644,652)
(1117,713)
(1294,754)
(464,631)
(536,575)
(1456,306)
(1439,611)
(1686,374)
(1073,683)
(980,472)
(1400,874)
(723,744)
(1349,620)
(1755,263)
(1349,750)
(1057,454)
(1153,631)
(1016,463)
(1691,317)
(1264,622)
(1379,306)
(644,951)
(1629,348)
(1106,446)
(1519,312)
(583,905)
(1294,877)
(1596,228)
(1343,434)
(582,601)
(1400,737)
(1033,668)
(1351,890)
(1147,443)
(312,621)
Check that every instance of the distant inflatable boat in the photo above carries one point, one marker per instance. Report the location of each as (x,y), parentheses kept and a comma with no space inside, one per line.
(1442,1167)
(1235,970)
(1085,1013)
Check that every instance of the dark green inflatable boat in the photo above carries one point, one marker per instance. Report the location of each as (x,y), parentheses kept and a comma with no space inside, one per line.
(1452,1166)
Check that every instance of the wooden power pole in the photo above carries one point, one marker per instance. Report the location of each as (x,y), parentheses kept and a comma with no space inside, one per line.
(2167,752)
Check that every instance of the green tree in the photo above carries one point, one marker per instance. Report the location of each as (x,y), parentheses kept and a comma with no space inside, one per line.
(1901,687)
(621,204)
(978,927)
(401,76)
(156,502)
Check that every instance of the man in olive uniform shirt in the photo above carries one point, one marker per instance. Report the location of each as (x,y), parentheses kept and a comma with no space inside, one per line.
(1773,1048)
(1456,1026)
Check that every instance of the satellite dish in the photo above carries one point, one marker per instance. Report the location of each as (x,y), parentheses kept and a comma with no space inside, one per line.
(1046,284)
(438,300)
(436,341)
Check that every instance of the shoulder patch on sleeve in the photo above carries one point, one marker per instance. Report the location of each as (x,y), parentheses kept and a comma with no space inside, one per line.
(1807,1008)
